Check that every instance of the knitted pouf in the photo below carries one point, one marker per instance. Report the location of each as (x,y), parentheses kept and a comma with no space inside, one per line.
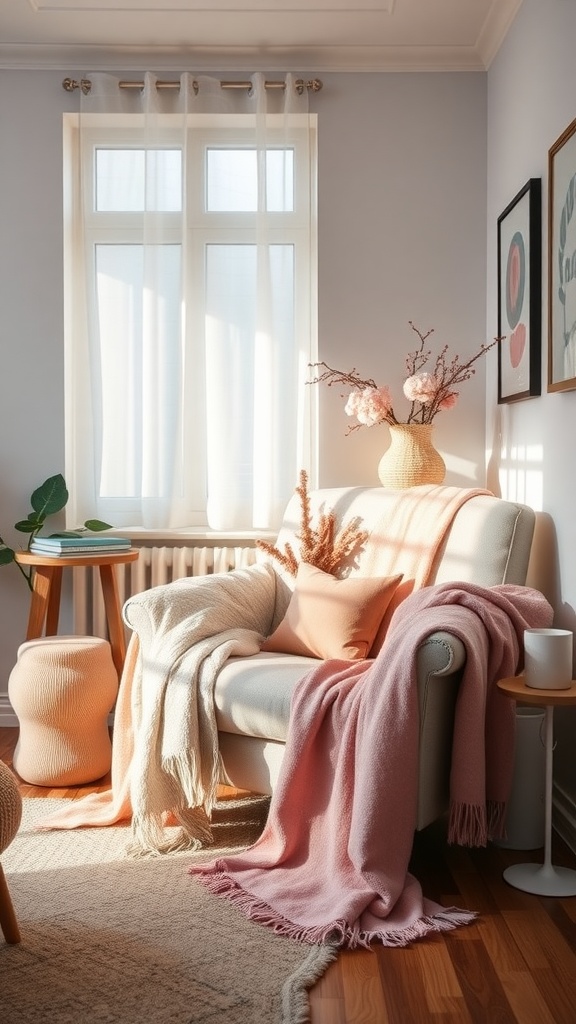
(10,817)
(62,689)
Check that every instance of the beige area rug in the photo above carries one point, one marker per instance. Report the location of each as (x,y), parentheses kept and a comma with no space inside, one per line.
(107,939)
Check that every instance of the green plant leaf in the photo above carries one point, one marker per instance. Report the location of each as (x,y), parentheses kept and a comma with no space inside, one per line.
(96,524)
(50,497)
(6,554)
(27,526)
(47,499)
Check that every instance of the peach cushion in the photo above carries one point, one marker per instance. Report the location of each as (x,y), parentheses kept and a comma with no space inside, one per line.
(331,618)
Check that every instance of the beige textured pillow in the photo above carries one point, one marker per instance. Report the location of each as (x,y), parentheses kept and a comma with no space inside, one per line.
(331,618)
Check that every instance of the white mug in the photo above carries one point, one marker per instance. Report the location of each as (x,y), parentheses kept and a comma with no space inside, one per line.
(548,658)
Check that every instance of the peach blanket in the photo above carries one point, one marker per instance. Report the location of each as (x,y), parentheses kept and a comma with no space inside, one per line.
(332,862)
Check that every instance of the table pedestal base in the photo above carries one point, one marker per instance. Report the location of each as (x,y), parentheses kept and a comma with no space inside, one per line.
(542,879)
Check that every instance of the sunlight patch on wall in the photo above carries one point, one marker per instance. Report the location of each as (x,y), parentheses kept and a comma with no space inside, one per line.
(461,467)
(520,474)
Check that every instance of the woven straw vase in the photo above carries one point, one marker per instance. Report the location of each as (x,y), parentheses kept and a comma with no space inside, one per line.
(411,458)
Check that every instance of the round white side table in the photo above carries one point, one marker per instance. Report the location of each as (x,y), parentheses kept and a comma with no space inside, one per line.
(542,879)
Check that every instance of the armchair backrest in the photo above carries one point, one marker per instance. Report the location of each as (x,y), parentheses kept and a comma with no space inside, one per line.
(487,542)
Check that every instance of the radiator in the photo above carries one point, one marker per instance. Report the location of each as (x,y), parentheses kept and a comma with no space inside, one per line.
(155,566)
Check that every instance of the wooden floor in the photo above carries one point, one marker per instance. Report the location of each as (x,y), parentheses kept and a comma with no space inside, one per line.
(516,963)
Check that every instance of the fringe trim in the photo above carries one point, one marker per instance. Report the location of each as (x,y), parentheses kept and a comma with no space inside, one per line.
(497,819)
(184,768)
(474,824)
(195,823)
(337,934)
(467,825)
(149,838)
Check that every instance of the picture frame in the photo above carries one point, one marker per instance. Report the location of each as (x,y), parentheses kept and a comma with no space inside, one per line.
(520,295)
(562,262)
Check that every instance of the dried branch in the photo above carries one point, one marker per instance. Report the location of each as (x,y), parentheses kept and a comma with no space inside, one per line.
(429,392)
(319,546)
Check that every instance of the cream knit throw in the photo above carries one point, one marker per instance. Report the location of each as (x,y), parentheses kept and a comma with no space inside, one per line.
(186,632)
(165,756)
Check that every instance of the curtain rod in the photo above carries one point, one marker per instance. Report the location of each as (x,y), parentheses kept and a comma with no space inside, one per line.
(313,85)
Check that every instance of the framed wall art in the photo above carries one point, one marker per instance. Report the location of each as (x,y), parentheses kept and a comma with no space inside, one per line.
(519,295)
(562,262)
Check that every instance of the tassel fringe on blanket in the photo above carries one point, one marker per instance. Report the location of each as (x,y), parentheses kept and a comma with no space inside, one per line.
(471,825)
(335,933)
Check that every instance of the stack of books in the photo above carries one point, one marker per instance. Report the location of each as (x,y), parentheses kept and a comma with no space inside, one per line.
(86,544)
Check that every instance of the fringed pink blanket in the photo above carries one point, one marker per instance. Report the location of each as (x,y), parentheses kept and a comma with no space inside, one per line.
(332,862)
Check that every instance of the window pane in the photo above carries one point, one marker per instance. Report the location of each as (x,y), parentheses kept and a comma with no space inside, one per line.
(232,180)
(279,180)
(132,180)
(140,373)
(244,339)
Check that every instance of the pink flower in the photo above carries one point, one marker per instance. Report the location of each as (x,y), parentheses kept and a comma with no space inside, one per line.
(449,400)
(370,406)
(428,393)
(353,403)
(421,387)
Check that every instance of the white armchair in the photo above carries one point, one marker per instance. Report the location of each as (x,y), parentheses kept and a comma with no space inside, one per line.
(485,540)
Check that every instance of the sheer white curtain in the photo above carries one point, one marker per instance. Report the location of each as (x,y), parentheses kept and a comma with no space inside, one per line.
(190,303)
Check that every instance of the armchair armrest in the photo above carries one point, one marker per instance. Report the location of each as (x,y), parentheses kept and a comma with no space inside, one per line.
(440,660)
(440,655)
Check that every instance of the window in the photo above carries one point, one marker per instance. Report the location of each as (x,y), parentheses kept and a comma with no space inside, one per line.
(190,318)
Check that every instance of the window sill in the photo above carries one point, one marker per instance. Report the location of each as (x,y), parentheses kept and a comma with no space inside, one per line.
(194,535)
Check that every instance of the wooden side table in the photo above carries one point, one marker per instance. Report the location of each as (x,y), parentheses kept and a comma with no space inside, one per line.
(47,588)
(542,879)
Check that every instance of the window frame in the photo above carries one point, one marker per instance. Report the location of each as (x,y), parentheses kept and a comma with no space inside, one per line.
(202,228)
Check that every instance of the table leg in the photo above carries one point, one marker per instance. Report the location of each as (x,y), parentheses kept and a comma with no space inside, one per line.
(544,879)
(113,616)
(53,612)
(41,585)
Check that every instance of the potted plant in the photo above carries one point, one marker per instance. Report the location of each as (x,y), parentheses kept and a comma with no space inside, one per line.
(46,500)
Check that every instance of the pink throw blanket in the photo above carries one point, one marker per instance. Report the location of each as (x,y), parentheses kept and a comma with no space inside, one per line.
(332,862)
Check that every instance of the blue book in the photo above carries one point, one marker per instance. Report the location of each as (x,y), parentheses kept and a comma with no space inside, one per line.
(76,552)
(80,543)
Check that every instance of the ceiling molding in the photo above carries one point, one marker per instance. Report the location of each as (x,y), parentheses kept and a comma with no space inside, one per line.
(334,36)
(495,28)
(210,6)
(161,58)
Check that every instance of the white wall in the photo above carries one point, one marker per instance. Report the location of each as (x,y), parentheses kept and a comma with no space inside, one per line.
(31,338)
(531,100)
(402,215)
(402,207)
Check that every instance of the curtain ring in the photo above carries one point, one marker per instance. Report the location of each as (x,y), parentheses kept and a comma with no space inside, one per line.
(70,84)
